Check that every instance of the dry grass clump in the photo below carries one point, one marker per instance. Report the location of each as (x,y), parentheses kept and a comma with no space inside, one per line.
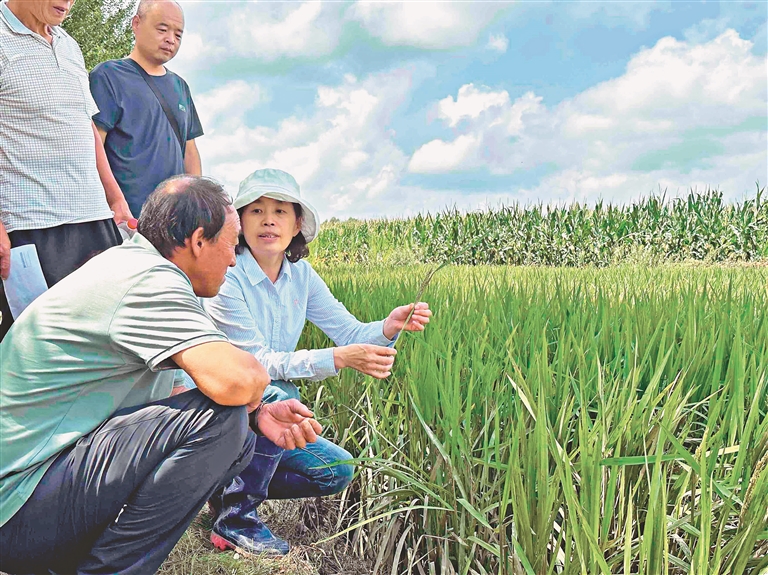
(301,522)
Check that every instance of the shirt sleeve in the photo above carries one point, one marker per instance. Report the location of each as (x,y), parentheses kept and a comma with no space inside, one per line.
(160,316)
(195,129)
(330,315)
(232,315)
(109,111)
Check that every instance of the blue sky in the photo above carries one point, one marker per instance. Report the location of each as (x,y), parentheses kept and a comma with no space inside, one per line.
(392,108)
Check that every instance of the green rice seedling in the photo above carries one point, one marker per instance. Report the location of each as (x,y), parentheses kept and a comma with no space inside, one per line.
(560,421)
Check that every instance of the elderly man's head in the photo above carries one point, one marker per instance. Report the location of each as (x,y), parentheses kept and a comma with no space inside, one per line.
(158,26)
(191,221)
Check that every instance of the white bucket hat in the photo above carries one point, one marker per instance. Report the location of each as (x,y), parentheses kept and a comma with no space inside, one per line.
(278,185)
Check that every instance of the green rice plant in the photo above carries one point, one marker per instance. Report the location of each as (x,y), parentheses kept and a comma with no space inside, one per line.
(569,421)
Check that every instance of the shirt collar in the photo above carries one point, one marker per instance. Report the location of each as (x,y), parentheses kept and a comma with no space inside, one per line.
(144,243)
(139,240)
(253,270)
(16,25)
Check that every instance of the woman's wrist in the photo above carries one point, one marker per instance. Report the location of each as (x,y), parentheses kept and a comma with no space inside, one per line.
(338,358)
(389,330)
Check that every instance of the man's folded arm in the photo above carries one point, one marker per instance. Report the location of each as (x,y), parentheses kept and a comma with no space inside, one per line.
(226,374)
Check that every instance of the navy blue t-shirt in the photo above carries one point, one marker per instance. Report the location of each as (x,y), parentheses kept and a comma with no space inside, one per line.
(141,145)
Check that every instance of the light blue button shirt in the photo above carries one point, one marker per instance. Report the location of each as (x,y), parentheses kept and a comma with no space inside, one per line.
(266,319)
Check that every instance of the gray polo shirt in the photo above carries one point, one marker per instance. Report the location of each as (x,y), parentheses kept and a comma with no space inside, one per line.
(97,341)
(48,173)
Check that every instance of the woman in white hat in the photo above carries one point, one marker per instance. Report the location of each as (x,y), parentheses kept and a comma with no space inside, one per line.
(262,307)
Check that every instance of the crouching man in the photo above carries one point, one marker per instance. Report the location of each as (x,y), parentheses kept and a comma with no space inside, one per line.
(101,471)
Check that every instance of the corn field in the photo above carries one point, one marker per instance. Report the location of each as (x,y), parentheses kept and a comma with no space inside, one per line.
(701,226)
(562,421)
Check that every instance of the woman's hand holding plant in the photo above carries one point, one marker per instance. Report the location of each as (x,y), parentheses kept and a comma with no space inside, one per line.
(395,322)
(373,360)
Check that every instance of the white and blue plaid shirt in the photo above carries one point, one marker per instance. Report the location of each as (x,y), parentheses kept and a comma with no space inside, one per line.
(48,173)
(266,319)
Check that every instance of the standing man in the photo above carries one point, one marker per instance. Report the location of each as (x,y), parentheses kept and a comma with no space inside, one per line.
(146,118)
(101,471)
(56,189)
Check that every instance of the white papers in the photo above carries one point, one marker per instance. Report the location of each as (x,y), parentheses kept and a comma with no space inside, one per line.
(26,281)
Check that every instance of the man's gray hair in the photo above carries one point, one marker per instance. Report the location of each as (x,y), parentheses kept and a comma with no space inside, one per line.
(180,205)
(146,5)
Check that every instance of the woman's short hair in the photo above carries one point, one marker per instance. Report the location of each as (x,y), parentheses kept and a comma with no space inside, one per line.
(180,205)
(296,250)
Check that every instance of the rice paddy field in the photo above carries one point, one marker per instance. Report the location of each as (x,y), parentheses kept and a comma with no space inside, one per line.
(601,409)
(560,421)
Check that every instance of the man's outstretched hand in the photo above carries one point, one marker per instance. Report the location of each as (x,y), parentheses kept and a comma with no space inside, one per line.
(288,424)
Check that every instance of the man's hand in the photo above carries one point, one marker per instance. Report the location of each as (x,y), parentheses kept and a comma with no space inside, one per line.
(5,253)
(288,424)
(112,191)
(395,322)
(373,360)
(192,163)
(122,211)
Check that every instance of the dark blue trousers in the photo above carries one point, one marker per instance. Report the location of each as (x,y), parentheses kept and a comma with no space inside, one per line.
(121,497)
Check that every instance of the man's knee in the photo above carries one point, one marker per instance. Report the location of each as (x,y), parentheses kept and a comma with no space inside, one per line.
(336,476)
(229,424)
(342,474)
(235,430)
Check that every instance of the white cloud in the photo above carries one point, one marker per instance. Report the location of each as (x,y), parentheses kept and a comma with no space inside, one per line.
(434,25)
(497,43)
(272,31)
(672,118)
(470,103)
(440,156)
(269,31)
(342,154)
(490,121)
(195,48)
(736,15)
(228,102)
(617,140)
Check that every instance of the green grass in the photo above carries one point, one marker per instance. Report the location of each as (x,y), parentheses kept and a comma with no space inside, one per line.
(560,421)
(549,421)
(701,226)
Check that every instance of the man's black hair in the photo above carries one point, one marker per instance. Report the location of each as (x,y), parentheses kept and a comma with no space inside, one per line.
(180,205)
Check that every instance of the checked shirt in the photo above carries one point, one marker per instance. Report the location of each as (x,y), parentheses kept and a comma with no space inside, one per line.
(48,173)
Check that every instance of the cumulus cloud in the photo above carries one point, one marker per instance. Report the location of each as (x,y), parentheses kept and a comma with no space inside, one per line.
(216,107)
(196,47)
(682,114)
(433,25)
(269,31)
(497,43)
(274,31)
(342,154)
(631,132)
(491,120)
